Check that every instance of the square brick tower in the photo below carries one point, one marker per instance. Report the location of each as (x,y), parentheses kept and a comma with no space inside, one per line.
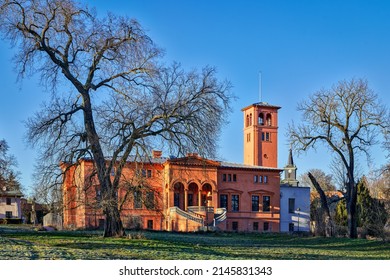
(261,134)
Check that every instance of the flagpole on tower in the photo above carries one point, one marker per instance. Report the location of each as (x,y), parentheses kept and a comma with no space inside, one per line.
(260,87)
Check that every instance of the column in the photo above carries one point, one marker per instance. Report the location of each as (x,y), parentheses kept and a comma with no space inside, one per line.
(185,199)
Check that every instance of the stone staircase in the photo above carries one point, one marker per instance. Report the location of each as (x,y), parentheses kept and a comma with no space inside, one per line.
(196,218)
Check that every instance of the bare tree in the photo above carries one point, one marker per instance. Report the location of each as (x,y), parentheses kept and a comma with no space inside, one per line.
(326,219)
(323,179)
(8,175)
(347,119)
(120,100)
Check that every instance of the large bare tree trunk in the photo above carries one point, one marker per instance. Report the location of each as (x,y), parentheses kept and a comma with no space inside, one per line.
(351,211)
(113,225)
(327,219)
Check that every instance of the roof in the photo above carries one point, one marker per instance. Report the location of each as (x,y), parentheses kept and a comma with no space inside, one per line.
(159,160)
(247,166)
(195,159)
(138,159)
(11,193)
(290,161)
(262,104)
(287,186)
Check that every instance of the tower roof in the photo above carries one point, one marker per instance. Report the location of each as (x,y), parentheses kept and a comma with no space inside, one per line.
(261,104)
(290,161)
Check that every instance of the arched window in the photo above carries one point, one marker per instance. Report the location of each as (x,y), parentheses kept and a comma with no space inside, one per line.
(269,120)
(247,120)
(261,119)
(250,119)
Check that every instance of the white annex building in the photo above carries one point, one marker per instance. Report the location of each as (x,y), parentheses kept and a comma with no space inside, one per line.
(294,201)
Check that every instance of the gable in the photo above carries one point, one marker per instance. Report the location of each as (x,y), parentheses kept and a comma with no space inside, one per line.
(193,160)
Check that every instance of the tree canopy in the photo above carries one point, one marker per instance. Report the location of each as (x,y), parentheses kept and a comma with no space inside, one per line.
(8,175)
(347,119)
(121,98)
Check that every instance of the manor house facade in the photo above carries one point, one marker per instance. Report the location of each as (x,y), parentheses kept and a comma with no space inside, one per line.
(190,193)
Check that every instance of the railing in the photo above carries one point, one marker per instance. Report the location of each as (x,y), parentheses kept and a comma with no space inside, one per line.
(186,215)
(220,216)
(196,214)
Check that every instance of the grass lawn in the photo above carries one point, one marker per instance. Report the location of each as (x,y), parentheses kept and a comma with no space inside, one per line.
(24,243)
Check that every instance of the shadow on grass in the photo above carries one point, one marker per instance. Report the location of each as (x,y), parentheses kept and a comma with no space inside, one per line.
(168,245)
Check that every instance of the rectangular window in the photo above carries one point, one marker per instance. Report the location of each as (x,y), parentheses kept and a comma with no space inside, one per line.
(291,227)
(234,225)
(266,203)
(291,205)
(150,224)
(137,200)
(234,178)
(223,201)
(144,173)
(260,179)
(255,178)
(266,226)
(255,226)
(255,203)
(149,173)
(262,136)
(8,201)
(235,203)
(267,137)
(8,214)
(149,201)
(229,177)
(224,177)
(265,179)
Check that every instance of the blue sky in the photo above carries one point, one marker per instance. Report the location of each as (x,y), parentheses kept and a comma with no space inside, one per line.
(298,46)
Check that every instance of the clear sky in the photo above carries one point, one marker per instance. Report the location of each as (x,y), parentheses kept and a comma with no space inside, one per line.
(298,46)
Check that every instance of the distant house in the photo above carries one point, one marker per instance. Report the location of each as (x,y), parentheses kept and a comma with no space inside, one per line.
(33,212)
(294,201)
(10,205)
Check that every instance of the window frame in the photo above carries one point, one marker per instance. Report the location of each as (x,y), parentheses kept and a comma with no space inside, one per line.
(137,200)
(266,203)
(223,203)
(8,214)
(291,205)
(150,224)
(235,199)
(255,203)
(150,202)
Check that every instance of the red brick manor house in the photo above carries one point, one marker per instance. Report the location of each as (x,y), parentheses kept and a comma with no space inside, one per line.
(192,193)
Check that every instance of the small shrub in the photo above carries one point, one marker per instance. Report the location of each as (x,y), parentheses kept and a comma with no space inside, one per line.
(341,231)
(136,235)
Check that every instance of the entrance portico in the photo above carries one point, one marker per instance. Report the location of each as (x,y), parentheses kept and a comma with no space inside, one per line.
(192,194)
